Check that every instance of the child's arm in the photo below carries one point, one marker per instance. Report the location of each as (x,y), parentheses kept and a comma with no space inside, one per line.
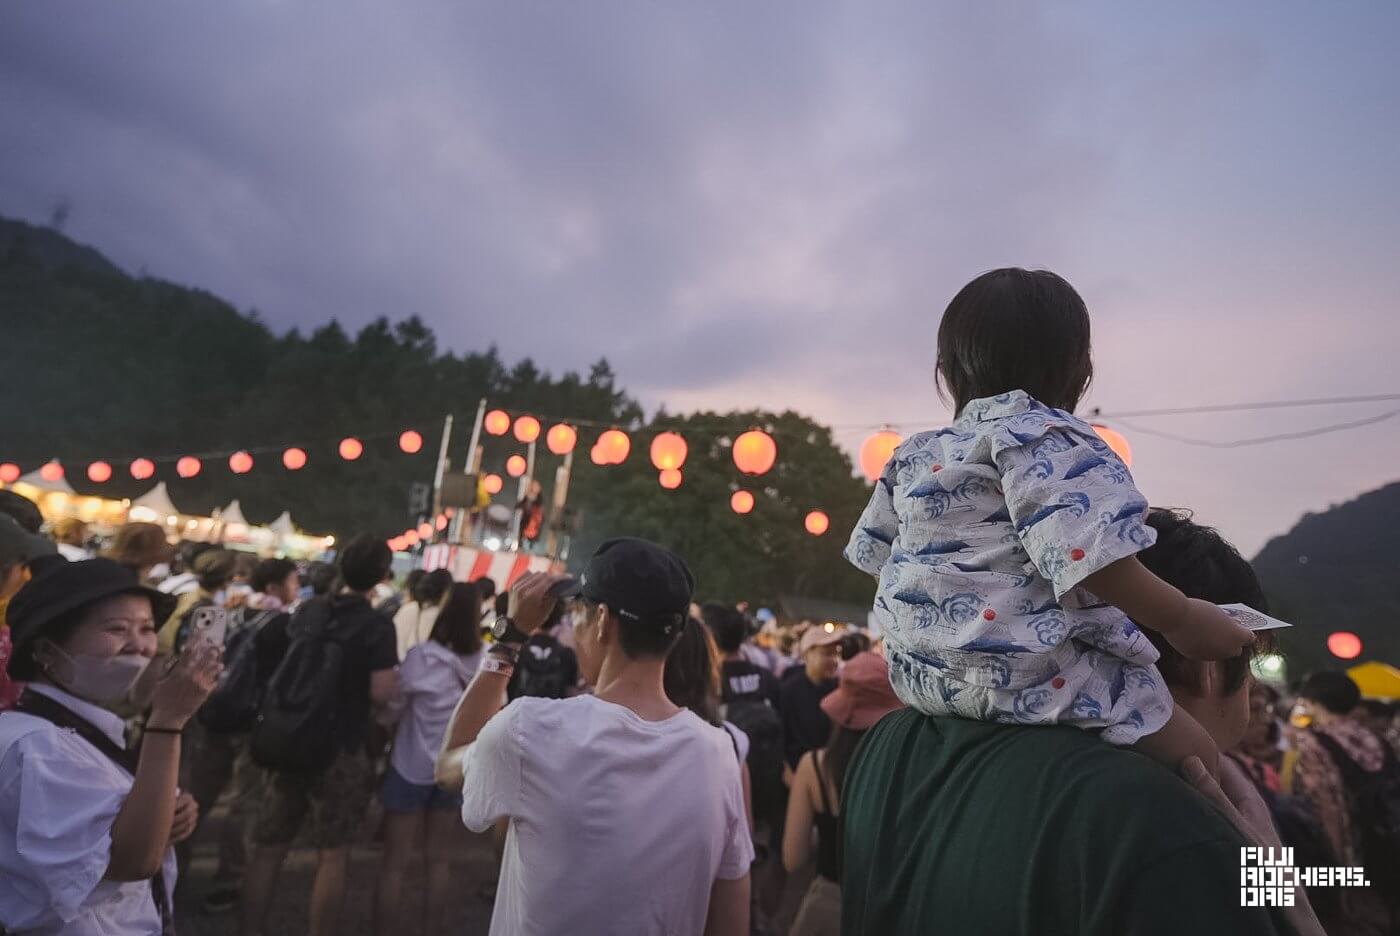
(1197,628)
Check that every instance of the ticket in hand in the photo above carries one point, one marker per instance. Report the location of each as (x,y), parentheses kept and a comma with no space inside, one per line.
(1254,620)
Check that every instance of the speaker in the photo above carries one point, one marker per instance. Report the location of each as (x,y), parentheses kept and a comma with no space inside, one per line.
(458,490)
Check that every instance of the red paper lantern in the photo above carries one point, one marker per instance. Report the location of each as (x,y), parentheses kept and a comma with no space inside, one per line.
(294,459)
(240,463)
(741,502)
(614,446)
(99,471)
(9,472)
(755,452)
(396,543)
(561,439)
(1344,645)
(1116,441)
(441,522)
(410,537)
(671,478)
(668,451)
(52,471)
(493,483)
(142,468)
(410,441)
(527,429)
(188,466)
(497,422)
(351,448)
(818,522)
(516,465)
(425,531)
(875,453)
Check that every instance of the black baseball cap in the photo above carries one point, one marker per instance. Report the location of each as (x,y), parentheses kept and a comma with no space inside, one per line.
(637,580)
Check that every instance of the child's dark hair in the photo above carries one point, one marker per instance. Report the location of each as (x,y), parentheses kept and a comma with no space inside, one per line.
(1014,329)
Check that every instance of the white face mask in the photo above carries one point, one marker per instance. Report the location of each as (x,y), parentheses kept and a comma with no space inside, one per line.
(100,680)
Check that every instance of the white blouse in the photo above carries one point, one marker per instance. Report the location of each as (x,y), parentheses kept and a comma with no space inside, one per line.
(59,796)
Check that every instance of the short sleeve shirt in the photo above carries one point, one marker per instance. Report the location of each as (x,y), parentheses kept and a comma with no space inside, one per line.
(581,778)
(742,680)
(59,796)
(980,535)
(958,826)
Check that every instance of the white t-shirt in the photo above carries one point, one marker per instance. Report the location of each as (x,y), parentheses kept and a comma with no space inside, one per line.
(618,825)
(412,625)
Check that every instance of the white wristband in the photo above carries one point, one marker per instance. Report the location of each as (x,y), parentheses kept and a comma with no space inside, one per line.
(494,664)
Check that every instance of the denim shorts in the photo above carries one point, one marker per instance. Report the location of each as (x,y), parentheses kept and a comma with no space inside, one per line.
(400,796)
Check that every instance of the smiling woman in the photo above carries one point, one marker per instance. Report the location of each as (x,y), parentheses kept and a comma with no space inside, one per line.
(87,823)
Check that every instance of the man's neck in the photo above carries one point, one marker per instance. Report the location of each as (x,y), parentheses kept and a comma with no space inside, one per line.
(816,677)
(635,684)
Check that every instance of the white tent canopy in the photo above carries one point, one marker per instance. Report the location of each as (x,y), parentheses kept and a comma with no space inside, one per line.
(157,500)
(283,525)
(33,479)
(233,513)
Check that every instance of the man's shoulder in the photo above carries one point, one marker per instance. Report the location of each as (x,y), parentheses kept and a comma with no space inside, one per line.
(1111,791)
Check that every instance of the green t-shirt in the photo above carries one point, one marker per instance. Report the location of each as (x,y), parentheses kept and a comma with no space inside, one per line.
(955,826)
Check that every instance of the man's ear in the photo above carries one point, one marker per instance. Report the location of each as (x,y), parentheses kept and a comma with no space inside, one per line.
(605,626)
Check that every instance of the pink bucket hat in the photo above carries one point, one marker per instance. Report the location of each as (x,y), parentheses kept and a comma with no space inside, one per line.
(863,695)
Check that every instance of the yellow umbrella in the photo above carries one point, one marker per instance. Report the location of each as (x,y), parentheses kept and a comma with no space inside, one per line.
(1377,680)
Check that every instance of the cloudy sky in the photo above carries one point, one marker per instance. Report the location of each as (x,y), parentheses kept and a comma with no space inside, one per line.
(770,204)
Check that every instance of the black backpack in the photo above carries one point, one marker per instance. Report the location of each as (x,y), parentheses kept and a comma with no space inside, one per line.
(234,703)
(542,671)
(1377,799)
(298,722)
(761,722)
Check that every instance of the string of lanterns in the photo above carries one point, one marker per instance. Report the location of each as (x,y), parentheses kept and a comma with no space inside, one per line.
(754,453)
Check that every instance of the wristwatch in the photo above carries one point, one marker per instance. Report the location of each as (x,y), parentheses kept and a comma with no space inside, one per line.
(505,631)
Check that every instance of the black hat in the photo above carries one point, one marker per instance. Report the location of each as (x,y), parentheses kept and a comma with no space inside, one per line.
(69,586)
(638,580)
(18,541)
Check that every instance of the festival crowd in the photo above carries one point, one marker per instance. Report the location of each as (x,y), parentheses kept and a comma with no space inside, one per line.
(1054,728)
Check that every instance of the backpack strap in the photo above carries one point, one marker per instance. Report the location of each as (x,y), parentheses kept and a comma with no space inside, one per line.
(41,706)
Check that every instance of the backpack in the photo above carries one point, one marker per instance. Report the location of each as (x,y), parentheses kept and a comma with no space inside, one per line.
(1377,799)
(542,671)
(757,719)
(297,728)
(234,703)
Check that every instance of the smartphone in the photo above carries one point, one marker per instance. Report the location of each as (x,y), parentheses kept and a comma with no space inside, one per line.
(208,625)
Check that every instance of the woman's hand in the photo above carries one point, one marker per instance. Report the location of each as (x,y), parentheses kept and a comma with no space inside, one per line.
(1236,796)
(186,818)
(182,690)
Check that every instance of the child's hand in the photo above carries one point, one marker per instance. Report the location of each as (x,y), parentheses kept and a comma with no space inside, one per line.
(1204,632)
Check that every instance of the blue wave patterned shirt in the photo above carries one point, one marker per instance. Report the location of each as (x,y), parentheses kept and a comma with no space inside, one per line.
(980,535)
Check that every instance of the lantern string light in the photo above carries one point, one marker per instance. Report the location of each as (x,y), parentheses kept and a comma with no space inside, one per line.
(1117,415)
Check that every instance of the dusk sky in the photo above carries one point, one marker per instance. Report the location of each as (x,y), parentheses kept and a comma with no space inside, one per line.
(769,204)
